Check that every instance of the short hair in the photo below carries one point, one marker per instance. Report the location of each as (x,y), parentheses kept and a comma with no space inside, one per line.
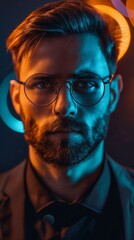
(61,18)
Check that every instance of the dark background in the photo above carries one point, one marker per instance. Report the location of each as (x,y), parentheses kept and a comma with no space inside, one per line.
(120,139)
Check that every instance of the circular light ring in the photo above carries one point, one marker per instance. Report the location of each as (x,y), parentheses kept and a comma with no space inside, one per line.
(123,9)
(122,23)
(130,3)
(5,114)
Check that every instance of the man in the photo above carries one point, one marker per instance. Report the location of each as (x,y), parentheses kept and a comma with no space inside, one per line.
(65,60)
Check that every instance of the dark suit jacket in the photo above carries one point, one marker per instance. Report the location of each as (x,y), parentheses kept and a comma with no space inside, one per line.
(12,199)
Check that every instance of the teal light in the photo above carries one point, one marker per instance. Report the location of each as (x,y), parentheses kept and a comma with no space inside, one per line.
(84,168)
(5,114)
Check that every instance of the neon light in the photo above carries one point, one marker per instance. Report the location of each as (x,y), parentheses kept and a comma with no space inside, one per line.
(5,114)
(130,4)
(123,9)
(124,27)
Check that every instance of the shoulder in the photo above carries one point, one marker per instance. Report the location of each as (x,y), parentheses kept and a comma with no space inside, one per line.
(14,170)
(122,174)
(124,180)
(118,167)
(12,176)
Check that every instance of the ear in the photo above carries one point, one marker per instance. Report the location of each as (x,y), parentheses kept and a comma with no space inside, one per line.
(14,94)
(116,87)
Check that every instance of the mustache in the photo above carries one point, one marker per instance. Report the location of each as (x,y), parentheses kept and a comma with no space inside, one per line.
(66,123)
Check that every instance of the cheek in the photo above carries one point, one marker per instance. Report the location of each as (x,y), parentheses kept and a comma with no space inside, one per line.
(30,110)
(41,116)
(90,115)
(103,106)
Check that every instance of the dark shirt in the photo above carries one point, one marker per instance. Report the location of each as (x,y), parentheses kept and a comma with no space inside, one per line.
(97,216)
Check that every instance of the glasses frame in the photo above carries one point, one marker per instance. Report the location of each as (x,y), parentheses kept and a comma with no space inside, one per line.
(71,89)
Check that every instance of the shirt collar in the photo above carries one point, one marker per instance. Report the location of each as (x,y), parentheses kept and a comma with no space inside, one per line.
(37,191)
(94,199)
(97,196)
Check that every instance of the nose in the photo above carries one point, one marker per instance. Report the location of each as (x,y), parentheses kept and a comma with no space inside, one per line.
(64,104)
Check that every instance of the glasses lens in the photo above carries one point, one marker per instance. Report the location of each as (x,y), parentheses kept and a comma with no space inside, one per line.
(41,90)
(87,90)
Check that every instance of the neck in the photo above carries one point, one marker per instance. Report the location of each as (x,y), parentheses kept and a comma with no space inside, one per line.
(69,183)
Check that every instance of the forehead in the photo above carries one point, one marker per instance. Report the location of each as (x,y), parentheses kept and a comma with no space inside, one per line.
(64,56)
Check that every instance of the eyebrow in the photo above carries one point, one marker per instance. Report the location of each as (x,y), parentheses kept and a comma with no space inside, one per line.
(83,72)
(73,75)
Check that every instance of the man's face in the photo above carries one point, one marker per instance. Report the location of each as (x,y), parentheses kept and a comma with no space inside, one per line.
(64,132)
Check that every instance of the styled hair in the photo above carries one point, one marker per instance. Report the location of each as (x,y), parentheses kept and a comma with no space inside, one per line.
(61,18)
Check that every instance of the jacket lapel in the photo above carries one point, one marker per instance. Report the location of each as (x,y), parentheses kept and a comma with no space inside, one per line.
(127,197)
(126,191)
(12,205)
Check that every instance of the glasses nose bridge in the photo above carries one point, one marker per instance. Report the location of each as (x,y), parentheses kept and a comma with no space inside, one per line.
(61,84)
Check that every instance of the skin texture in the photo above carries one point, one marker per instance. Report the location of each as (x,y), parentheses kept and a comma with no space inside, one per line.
(66,160)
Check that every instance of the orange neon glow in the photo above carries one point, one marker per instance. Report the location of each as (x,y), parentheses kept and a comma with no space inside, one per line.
(124,27)
(130,5)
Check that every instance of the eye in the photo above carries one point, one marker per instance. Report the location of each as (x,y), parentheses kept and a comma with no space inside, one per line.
(84,85)
(42,84)
(37,83)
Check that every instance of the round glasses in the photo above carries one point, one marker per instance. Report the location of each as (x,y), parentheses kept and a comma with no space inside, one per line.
(86,89)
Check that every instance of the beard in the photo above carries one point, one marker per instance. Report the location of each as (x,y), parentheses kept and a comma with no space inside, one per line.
(65,151)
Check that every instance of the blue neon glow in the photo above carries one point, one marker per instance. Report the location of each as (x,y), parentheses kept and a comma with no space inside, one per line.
(7,117)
